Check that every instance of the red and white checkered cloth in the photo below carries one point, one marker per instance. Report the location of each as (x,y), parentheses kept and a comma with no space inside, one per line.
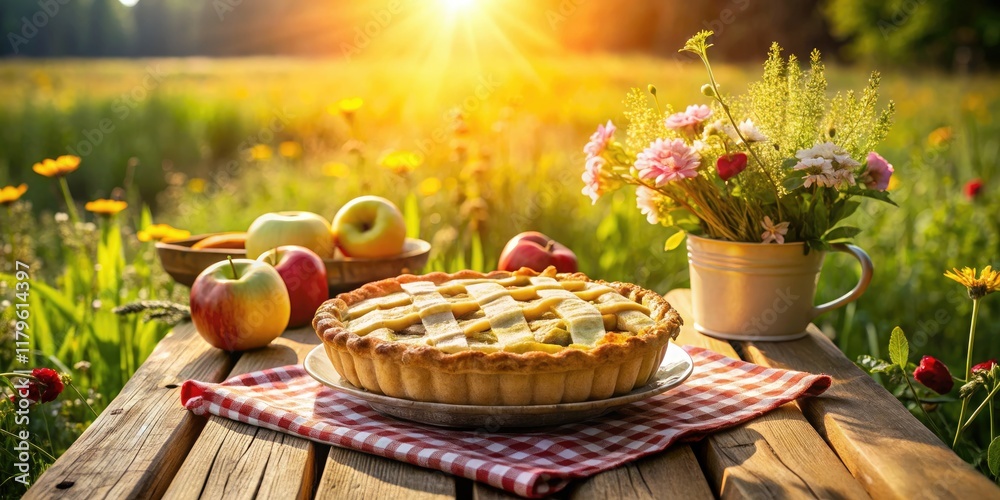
(721,393)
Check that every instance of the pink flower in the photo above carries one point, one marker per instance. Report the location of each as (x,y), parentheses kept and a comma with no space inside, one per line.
(773,232)
(648,202)
(593,187)
(667,161)
(599,140)
(877,173)
(689,119)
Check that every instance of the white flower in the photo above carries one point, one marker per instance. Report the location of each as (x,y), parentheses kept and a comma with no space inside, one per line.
(819,171)
(61,217)
(773,232)
(715,128)
(828,165)
(648,202)
(750,132)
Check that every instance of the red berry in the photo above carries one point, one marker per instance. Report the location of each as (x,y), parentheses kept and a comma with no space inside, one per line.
(934,375)
(731,165)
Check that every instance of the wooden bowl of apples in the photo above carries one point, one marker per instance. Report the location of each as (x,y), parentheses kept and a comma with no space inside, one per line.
(367,242)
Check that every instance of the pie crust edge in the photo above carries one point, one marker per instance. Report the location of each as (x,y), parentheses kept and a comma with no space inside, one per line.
(425,373)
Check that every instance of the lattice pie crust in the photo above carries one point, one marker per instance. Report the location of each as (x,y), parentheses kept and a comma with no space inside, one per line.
(501,338)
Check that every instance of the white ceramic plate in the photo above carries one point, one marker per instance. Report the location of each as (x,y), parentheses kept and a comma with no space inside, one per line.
(675,368)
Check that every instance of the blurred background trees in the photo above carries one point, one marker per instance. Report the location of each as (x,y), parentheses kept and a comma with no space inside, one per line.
(945,33)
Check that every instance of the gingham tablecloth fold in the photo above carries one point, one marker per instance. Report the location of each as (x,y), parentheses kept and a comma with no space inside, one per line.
(721,393)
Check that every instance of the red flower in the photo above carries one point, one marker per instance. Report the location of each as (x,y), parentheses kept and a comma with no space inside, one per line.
(985,366)
(934,375)
(972,188)
(50,381)
(47,386)
(731,165)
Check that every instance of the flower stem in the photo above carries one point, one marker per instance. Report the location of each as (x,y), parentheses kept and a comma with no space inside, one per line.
(83,398)
(921,405)
(989,398)
(70,205)
(968,371)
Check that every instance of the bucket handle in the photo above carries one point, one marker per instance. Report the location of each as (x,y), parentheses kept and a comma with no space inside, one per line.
(866,278)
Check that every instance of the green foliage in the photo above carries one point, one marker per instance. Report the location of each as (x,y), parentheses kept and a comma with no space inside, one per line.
(899,348)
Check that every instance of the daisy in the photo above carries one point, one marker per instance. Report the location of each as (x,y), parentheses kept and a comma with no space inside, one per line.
(987,282)
(819,171)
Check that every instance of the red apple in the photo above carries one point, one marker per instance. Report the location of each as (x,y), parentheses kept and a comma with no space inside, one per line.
(290,228)
(304,274)
(536,251)
(370,227)
(239,304)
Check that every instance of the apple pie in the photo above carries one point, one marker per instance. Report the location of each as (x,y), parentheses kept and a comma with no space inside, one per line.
(502,338)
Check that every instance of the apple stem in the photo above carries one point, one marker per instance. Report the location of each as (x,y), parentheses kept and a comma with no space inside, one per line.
(550,245)
(274,257)
(232,264)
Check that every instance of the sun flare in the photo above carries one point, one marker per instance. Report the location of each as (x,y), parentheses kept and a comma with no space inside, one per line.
(458,5)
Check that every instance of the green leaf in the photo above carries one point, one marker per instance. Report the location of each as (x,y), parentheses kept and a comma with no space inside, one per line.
(841,233)
(675,240)
(870,193)
(993,457)
(875,365)
(788,163)
(899,348)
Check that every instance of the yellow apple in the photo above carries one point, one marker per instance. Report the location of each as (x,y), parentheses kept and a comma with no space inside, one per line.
(370,227)
(304,229)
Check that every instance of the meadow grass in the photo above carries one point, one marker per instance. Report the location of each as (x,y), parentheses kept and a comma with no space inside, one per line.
(212,144)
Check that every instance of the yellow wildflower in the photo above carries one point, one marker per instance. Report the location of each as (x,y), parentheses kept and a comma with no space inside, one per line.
(347,106)
(58,167)
(429,186)
(401,162)
(940,136)
(336,169)
(105,207)
(10,194)
(893,183)
(261,152)
(162,232)
(987,282)
(196,185)
(290,149)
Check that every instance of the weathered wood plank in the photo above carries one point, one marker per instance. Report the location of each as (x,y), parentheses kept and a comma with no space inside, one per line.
(136,445)
(888,450)
(235,460)
(352,475)
(674,473)
(778,455)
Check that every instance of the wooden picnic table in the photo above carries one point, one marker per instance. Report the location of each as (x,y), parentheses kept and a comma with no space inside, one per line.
(855,441)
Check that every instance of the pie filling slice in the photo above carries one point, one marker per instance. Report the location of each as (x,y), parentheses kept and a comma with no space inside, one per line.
(515,314)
